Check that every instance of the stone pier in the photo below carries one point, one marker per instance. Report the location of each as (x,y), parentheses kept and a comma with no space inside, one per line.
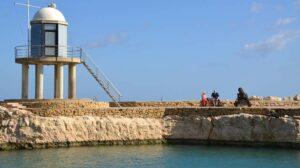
(64,123)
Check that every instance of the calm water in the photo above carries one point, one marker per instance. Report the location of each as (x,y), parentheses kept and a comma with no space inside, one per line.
(153,156)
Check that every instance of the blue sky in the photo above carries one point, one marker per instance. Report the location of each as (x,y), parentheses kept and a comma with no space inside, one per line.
(169,49)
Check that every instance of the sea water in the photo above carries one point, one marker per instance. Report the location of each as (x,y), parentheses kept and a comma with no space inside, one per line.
(165,156)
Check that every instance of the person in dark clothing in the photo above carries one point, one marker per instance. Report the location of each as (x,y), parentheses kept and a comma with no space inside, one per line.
(215,98)
(242,98)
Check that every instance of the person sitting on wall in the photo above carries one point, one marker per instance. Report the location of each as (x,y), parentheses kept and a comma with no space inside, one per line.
(242,99)
(215,98)
(203,99)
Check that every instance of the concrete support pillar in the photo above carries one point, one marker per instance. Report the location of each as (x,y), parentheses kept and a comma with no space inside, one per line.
(72,81)
(39,81)
(59,81)
(25,69)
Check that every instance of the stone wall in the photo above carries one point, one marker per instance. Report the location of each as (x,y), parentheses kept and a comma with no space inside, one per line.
(227,103)
(270,103)
(158,104)
(59,104)
(241,128)
(21,129)
(50,108)
(159,112)
(64,123)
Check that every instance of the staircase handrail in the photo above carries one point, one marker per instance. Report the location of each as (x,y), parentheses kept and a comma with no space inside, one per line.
(105,82)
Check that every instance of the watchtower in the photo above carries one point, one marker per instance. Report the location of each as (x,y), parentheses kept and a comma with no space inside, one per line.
(49,46)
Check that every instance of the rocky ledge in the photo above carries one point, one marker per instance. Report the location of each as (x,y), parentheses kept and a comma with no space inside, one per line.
(20,129)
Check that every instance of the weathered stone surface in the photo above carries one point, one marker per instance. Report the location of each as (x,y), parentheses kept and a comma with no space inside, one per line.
(273,98)
(288,98)
(255,101)
(57,103)
(22,129)
(191,127)
(255,98)
(160,112)
(245,127)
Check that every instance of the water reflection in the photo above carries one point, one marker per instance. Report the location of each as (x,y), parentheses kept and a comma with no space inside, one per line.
(164,156)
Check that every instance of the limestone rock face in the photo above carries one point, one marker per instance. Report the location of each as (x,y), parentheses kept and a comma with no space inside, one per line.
(79,129)
(238,127)
(245,127)
(273,98)
(21,127)
(288,98)
(255,98)
(192,127)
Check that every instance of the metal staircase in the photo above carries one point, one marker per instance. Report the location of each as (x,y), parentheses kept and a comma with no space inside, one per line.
(100,77)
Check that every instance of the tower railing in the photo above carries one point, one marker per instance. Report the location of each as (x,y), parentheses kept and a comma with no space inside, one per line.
(101,78)
(35,51)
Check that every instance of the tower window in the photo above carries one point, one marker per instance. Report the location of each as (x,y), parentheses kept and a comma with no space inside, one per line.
(50,26)
(50,39)
(36,40)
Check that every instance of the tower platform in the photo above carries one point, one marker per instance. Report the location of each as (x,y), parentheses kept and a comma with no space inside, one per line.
(48,60)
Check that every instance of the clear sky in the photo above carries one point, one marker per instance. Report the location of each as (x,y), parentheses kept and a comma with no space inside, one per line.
(170,49)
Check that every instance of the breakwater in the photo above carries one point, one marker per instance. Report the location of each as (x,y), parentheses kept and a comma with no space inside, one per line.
(67,126)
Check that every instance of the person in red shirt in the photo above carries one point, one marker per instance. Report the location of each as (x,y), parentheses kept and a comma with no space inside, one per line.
(203,99)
